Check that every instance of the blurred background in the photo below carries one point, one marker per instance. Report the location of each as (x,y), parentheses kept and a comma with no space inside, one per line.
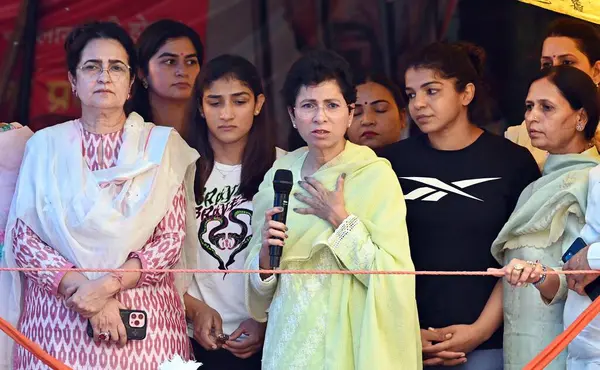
(371,34)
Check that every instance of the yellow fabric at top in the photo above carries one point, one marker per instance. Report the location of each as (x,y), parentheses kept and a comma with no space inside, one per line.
(588,10)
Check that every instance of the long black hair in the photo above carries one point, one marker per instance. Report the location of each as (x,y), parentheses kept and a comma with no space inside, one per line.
(464,62)
(150,41)
(259,153)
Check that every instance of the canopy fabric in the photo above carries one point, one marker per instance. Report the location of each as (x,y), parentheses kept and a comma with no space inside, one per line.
(588,10)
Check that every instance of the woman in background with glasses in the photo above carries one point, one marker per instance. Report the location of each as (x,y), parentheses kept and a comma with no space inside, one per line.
(104,191)
(346,212)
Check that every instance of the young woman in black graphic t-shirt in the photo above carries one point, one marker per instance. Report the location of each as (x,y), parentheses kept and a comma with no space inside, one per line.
(461,185)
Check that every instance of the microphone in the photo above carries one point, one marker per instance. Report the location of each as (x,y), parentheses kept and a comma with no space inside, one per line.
(282,184)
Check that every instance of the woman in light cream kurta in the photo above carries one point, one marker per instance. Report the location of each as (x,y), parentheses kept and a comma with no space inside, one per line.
(347,213)
(561,116)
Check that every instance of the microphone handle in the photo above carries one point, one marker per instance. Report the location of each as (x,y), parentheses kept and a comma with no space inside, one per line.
(275,251)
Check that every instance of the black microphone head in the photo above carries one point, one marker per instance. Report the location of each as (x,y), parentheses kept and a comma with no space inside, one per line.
(283,181)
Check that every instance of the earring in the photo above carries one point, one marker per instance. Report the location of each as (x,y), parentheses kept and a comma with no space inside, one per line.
(256,112)
(579,127)
(294,125)
(145,83)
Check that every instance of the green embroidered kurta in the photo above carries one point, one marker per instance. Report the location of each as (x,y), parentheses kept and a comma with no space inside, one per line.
(339,321)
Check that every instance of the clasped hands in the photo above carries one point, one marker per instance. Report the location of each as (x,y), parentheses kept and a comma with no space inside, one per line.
(95,300)
(449,346)
(244,342)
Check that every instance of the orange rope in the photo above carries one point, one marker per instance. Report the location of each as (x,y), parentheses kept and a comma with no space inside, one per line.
(538,363)
(559,343)
(288,272)
(32,347)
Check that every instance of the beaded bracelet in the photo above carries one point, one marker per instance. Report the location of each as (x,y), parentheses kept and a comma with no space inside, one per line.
(542,277)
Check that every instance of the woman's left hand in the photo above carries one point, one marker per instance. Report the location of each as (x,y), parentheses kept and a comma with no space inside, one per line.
(325,204)
(108,321)
(92,295)
(252,342)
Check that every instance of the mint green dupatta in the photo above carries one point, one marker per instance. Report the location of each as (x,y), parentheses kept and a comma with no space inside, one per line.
(541,214)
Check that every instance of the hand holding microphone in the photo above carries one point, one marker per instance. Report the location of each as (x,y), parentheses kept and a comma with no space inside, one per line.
(328,205)
(274,229)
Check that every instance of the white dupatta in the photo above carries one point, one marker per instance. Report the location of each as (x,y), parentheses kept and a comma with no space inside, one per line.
(95,226)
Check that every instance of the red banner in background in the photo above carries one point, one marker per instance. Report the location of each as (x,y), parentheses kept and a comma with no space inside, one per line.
(51,98)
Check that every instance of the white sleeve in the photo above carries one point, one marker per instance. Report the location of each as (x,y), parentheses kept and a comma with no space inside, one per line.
(593,256)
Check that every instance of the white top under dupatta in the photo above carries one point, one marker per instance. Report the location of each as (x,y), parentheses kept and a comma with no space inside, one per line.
(96,219)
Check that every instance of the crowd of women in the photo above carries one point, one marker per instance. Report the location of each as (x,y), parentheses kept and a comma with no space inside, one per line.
(171,165)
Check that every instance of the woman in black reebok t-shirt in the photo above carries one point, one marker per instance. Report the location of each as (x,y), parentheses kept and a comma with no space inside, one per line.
(461,185)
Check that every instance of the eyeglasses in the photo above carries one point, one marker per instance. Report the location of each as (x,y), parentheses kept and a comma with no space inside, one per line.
(116,72)
(331,110)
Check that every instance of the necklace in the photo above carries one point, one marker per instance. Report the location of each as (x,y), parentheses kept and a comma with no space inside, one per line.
(226,173)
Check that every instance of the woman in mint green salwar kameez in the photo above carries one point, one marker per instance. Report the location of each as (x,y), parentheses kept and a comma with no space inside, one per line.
(347,212)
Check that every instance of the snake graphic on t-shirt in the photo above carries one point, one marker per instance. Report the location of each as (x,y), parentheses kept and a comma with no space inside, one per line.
(216,239)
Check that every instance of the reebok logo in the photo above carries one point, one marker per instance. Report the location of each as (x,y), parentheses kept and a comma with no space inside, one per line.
(437,189)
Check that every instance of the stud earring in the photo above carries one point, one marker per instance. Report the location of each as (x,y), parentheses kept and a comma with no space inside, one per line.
(145,83)
(579,127)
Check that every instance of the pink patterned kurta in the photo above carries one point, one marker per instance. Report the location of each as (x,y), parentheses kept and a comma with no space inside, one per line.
(62,332)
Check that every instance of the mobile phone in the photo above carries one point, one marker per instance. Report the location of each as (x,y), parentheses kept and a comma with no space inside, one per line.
(135,321)
(577,245)
(593,288)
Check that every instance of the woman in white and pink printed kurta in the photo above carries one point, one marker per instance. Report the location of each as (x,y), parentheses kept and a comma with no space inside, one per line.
(98,195)
(62,332)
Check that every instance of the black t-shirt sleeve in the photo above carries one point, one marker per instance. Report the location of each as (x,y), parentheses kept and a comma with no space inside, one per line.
(527,172)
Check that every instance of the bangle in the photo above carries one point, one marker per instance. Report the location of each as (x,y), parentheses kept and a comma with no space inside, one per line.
(542,277)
